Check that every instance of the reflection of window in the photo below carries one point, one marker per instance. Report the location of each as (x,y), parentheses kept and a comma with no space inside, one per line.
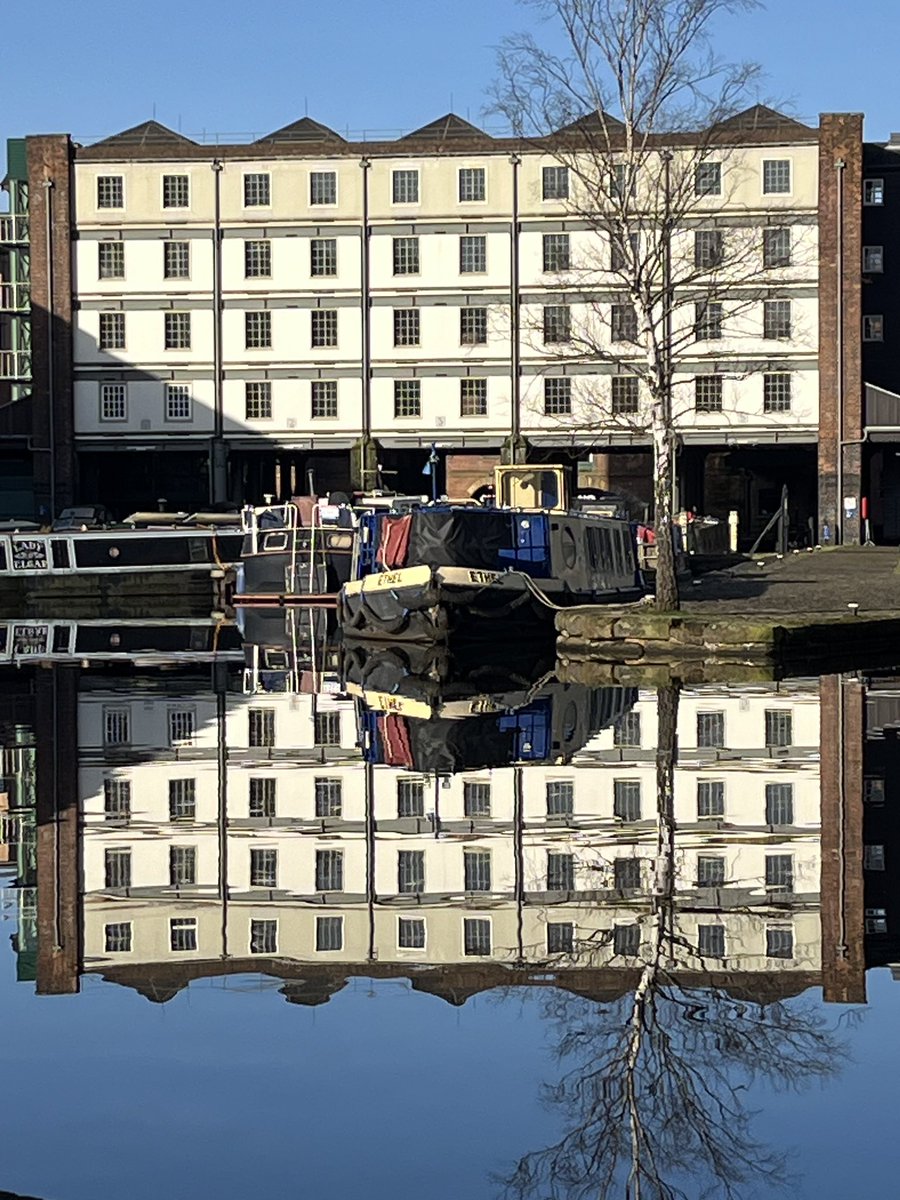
(873,328)
(476,936)
(329,797)
(117,864)
(117,799)
(560,872)
(711,941)
(182,866)
(710,798)
(477,870)
(873,858)
(710,870)
(627,940)
(117,937)
(181,726)
(876,920)
(779,804)
(182,799)
(476,798)
(627,730)
(780,872)
(329,870)
(710,730)
(560,937)
(410,798)
(873,259)
(627,799)
(411,871)
(779,727)
(560,797)
(779,942)
(411,933)
(183,933)
(328,729)
(263,937)
(873,790)
(262,797)
(329,933)
(873,191)
(627,874)
(261,727)
(116,727)
(263,867)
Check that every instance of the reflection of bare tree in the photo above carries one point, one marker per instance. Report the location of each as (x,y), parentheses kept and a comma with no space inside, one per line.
(653,1095)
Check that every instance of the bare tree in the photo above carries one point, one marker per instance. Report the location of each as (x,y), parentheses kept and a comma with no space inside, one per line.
(636,111)
(653,1095)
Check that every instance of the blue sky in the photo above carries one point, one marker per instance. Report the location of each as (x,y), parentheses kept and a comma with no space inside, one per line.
(100,66)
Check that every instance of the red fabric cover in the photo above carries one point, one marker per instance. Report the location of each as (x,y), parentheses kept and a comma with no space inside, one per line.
(395,739)
(394,544)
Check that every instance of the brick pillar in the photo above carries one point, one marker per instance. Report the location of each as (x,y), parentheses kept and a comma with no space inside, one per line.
(842,703)
(840,319)
(49,184)
(466,473)
(58,842)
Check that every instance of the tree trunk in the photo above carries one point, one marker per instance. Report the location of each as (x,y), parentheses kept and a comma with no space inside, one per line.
(666,580)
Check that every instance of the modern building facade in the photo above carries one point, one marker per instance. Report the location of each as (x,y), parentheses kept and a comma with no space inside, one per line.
(240,318)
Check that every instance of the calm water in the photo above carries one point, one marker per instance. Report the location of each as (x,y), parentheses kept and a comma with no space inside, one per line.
(289,919)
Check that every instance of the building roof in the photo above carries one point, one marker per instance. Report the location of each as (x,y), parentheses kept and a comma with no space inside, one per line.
(445,128)
(760,116)
(148,133)
(598,121)
(304,130)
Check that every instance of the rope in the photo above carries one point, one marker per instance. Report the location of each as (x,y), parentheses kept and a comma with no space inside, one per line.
(544,599)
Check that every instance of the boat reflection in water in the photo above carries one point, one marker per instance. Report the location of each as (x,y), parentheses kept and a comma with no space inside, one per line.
(663,867)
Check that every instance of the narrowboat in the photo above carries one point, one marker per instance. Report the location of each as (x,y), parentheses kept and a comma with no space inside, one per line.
(437,569)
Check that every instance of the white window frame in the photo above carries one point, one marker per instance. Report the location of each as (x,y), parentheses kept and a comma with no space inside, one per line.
(484,180)
(181,393)
(162,191)
(324,203)
(762,177)
(247,175)
(407,171)
(109,207)
(872,186)
(109,388)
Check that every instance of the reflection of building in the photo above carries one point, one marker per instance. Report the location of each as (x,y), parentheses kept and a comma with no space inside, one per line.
(325,868)
(18,799)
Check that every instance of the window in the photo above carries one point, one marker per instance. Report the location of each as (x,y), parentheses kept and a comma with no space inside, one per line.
(324,326)
(709,249)
(776,319)
(328,729)
(708,179)
(557,396)
(472,326)
(471,184)
(117,799)
(619,183)
(780,872)
(477,870)
(113,402)
(183,933)
(176,191)
(329,870)
(178,401)
(406,256)
(623,323)
(779,727)
(117,937)
(263,937)
(873,790)
(873,858)
(710,870)
(557,324)
(258,330)
(560,937)
(779,804)
(258,401)
(110,191)
(329,797)
(627,799)
(776,392)
(323,256)
(112,331)
(711,941)
(406,327)
(555,183)
(873,191)
(116,727)
(262,797)
(411,933)
(710,730)
(263,868)
(181,726)
(472,254)
(779,942)
(556,252)
(873,329)
(182,799)
(618,259)
(329,933)
(627,730)
(708,321)
(117,865)
(182,866)
(111,260)
(627,874)
(261,727)
(560,796)
(323,187)
(476,798)
(708,393)
(405,187)
(873,259)
(176,260)
(473,397)
(407,398)
(476,936)
(411,871)
(324,399)
(560,872)
(257,259)
(776,175)
(177,331)
(624,395)
(257,190)
(876,920)
(777,247)
(627,940)
(710,798)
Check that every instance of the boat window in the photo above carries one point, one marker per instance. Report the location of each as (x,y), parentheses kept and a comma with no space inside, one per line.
(275,541)
(60,552)
(339,541)
(569,547)
(593,546)
(2,558)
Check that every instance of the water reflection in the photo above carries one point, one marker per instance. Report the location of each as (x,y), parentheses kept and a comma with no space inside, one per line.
(668,869)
